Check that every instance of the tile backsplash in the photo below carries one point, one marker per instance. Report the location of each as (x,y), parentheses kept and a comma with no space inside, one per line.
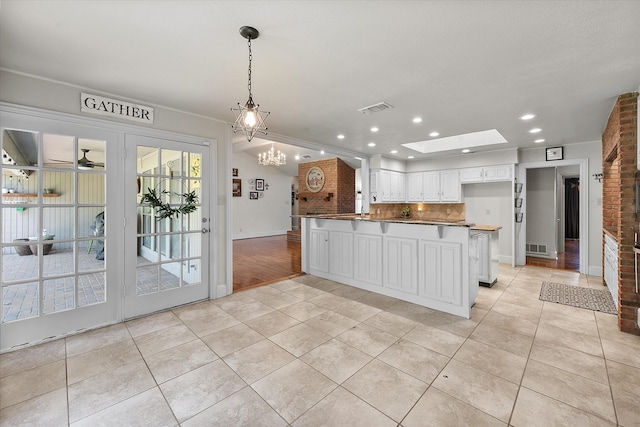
(424,211)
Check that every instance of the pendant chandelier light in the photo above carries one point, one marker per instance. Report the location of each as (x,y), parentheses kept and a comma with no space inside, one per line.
(250,119)
(270,158)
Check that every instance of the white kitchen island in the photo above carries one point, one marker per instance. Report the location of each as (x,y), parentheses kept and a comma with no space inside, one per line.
(433,264)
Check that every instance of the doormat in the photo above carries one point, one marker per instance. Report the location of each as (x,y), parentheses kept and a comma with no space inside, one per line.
(578,296)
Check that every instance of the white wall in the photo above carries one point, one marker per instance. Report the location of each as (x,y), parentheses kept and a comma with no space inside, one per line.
(490,204)
(266,216)
(541,216)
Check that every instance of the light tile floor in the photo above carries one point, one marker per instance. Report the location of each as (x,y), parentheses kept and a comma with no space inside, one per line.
(309,352)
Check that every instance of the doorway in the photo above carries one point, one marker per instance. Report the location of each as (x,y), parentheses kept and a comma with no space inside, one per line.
(59,271)
(166,258)
(546,191)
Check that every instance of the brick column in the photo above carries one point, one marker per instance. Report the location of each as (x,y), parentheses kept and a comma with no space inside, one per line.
(619,148)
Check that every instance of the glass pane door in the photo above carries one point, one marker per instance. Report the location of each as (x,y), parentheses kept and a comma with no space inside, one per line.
(54,230)
(165,265)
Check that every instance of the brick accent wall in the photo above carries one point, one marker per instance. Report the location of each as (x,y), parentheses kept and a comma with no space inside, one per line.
(338,194)
(619,164)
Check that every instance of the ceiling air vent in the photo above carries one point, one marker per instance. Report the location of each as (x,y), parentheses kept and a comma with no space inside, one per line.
(380,106)
(306,156)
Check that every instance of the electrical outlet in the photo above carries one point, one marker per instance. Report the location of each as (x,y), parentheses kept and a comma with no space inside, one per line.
(448,211)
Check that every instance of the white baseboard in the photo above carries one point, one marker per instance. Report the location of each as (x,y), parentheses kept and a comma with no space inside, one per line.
(241,236)
(595,271)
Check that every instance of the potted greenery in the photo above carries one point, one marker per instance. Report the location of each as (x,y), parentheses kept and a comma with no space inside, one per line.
(406,212)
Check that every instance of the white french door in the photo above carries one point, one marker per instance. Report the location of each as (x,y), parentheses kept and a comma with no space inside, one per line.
(166,259)
(59,271)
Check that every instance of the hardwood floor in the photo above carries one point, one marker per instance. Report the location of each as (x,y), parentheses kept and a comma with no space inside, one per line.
(264,260)
(569,260)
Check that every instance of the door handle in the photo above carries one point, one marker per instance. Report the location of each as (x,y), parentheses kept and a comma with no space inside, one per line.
(205,230)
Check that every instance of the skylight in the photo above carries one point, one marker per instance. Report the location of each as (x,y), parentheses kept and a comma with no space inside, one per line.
(457,142)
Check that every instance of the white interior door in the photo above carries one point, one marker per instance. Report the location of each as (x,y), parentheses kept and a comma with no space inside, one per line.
(166,259)
(58,274)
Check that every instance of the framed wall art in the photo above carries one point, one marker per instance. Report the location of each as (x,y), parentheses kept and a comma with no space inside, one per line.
(259,184)
(253,195)
(237,188)
(554,153)
(315,179)
(234,171)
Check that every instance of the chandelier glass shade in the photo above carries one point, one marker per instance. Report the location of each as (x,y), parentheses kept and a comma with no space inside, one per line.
(250,119)
(270,158)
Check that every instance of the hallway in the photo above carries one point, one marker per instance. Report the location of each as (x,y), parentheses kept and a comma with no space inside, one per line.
(264,260)
(569,260)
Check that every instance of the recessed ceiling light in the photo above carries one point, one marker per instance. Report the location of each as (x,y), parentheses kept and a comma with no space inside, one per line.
(341,136)
(434,134)
(535,130)
(297,157)
(417,120)
(358,158)
(374,129)
(538,141)
(465,151)
(410,157)
(371,144)
(527,117)
(322,152)
(394,151)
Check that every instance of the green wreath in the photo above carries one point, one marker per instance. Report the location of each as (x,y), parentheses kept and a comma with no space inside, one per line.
(165,210)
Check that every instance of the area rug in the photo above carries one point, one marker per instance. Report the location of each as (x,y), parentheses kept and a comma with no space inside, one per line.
(578,296)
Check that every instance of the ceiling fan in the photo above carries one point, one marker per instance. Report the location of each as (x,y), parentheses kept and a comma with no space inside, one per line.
(83,163)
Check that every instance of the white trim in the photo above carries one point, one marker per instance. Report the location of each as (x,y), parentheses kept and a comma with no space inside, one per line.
(228,214)
(241,236)
(104,124)
(520,237)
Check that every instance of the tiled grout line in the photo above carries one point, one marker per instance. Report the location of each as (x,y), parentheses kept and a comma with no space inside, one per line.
(502,293)
(606,367)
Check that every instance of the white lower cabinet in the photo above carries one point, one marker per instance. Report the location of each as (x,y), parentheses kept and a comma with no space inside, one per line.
(484,257)
(440,266)
(431,265)
(368,257)
(401,264)
(319,250)
(611,266)
(341,253)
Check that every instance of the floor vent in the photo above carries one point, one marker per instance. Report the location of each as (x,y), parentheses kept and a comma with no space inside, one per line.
(380,106)
(535,248)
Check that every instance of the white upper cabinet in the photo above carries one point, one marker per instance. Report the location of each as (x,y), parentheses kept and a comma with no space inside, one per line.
(449,186)
(389,186)
(441,186)
(486,174)
(431,184)
(471,175)
(415,187)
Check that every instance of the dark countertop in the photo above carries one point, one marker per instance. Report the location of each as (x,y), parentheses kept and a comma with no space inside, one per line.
(357,217)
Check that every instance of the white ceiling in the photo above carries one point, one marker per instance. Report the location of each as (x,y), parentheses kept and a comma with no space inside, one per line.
(463,66)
